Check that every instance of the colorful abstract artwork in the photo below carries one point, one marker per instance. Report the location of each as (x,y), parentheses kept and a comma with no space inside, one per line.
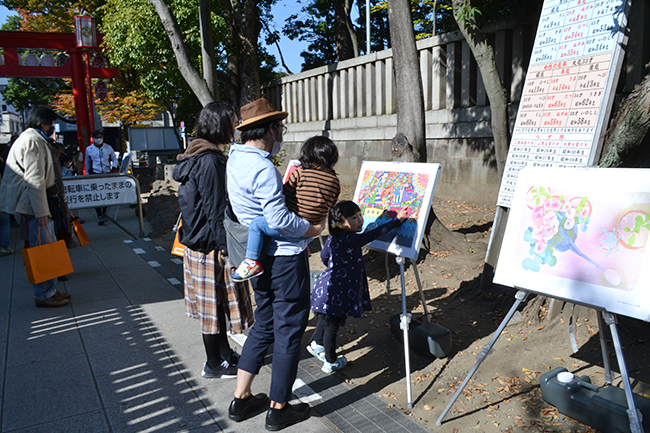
(581,235)
(384,188)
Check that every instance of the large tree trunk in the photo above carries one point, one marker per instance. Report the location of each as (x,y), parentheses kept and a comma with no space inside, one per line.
(245,29)
(406,65)
(346,48)
(207,48)
(497,95)
(185,66)
(627,143)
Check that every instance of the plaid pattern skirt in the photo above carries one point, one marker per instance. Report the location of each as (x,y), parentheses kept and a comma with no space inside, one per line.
(207,283)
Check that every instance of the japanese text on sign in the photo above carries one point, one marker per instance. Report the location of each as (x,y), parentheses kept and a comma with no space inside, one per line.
(87,192)
(568,87)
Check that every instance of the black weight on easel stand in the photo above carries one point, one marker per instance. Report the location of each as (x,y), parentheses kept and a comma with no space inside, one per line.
(633,413)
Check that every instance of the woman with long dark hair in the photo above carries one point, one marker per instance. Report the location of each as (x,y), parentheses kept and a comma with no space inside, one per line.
(210,295)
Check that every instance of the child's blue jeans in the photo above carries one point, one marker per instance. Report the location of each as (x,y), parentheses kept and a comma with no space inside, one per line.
(256,232)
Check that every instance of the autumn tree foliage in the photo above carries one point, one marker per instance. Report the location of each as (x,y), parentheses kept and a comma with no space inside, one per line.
(127,102)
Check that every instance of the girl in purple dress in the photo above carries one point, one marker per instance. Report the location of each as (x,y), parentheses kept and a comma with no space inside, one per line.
(342,289)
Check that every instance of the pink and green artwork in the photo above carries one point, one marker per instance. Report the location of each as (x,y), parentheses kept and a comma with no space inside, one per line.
(384,188)
(581,235)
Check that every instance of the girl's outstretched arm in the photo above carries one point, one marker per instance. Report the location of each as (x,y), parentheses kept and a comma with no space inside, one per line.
(375,233)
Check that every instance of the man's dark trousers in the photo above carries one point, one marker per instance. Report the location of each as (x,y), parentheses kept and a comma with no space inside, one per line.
(282,297)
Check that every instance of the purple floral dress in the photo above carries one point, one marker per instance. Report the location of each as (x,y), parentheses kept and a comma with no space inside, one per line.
(342,288)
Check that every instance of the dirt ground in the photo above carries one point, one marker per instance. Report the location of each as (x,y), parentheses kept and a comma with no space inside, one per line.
(504,394)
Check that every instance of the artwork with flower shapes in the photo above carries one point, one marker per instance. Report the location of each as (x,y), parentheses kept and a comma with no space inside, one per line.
(581,235)
(384,188)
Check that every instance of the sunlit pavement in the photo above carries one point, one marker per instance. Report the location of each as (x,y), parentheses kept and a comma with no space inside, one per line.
(122,357)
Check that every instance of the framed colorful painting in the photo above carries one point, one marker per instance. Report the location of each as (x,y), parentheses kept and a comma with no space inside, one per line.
(581,235)
(384,188)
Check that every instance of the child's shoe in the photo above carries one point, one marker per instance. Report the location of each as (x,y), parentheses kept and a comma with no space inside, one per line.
(247,270)
(340,364)
(316,350)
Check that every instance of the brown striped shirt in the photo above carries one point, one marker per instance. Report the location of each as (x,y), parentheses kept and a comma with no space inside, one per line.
(310,193)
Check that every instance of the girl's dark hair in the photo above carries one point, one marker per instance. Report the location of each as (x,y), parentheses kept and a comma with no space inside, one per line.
(318,152)
(340,211)
(215,123)
(256,133)
(97,133)
(40,115)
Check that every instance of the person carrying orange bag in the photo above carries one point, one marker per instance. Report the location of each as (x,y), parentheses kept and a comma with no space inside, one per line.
(29,172)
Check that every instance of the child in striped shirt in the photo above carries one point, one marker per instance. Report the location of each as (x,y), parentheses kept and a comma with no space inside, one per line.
(311,191)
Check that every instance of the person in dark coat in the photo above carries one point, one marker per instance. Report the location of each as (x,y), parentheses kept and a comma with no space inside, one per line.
(210,295)
(342,289)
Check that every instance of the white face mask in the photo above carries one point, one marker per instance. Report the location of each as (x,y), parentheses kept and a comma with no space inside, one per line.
(277,147)
(99,141)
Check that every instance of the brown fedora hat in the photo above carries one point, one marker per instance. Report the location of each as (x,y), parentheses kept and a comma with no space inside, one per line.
(257,112)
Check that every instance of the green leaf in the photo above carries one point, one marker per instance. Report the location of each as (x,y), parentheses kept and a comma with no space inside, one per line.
(631,240)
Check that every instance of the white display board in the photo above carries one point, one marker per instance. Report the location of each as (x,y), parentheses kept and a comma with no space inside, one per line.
(569,88)
(581,235)
(100,190)
(390,186)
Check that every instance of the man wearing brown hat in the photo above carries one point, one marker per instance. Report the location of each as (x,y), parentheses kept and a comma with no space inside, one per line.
(282,292)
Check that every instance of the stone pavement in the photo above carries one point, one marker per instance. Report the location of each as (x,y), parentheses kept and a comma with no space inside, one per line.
(122,357)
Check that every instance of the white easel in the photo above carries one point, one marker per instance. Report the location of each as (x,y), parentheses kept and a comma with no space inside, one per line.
(405,318)
(608,318)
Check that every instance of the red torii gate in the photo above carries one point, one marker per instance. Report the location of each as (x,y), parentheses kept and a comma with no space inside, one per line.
(76,69)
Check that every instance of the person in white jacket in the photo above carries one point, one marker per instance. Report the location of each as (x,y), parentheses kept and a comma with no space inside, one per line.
(29,172)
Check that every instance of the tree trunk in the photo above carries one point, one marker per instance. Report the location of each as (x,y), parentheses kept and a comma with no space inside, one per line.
(406,65)
(245,32)
(627,143)
(207,48)
(185,66)
(345,47)
(497,95)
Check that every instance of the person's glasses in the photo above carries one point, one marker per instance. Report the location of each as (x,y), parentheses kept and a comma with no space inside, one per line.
(280,128)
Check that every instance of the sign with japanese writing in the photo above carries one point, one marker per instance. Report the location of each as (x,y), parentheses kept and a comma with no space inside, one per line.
(100,191)
(569,88)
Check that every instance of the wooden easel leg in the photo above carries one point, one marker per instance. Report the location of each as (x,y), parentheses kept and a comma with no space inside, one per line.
(632,413)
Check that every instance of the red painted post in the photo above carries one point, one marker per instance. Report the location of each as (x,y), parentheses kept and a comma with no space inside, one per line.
(89,83)
(80,100)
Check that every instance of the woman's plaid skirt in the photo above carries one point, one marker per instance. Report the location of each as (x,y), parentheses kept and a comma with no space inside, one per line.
(207,282)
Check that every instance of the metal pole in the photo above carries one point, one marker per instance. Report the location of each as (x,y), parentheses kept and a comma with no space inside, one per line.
(424,302)
(387,273)
(405,319)
(632,413)
(520,296)
(603,348)
(367,26)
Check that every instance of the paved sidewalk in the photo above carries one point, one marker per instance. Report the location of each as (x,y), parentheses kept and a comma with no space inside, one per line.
(122,357)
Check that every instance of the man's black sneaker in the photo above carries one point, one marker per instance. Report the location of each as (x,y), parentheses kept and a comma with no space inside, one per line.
(277,419)
(242,408)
